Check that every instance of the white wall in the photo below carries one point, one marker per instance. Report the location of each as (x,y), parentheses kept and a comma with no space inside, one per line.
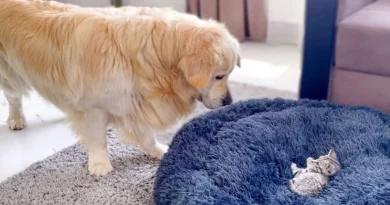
(285,21)
(286,10)
(179,5)
(285,17)
(88,3)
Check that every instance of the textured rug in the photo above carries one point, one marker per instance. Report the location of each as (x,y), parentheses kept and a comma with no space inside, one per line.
(63,178)
(241,155)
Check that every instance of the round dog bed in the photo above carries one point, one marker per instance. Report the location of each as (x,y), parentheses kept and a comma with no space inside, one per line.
(242,154)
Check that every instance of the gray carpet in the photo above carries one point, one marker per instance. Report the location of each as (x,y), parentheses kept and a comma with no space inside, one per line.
(63,177)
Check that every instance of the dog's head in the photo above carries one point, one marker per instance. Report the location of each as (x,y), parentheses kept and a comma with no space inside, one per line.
(211,55)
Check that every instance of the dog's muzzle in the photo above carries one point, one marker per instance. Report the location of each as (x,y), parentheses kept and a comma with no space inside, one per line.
(227,100)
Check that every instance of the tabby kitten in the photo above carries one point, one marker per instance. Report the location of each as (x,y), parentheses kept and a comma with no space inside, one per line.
(313,179)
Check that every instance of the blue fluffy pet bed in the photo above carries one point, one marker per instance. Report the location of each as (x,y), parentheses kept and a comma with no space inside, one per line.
(242,154)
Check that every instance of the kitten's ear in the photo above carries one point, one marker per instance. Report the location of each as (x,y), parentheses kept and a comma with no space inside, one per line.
(332,154)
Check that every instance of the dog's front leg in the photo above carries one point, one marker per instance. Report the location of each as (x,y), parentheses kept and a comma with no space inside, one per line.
(148,142)
(91,128)
(127,136)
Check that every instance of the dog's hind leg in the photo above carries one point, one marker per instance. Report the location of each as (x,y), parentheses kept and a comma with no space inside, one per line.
(16,120)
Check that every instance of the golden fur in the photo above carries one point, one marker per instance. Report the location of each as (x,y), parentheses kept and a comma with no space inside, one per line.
(139,69)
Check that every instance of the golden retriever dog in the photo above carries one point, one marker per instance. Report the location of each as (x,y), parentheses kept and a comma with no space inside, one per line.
(137,69)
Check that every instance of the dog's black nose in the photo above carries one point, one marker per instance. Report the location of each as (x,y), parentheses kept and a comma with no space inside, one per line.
(227,100)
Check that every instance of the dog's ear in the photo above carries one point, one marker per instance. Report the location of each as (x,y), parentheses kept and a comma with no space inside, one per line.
(196,70)
(239,61)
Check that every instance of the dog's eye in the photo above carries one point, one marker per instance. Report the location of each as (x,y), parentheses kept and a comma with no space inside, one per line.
(220,77)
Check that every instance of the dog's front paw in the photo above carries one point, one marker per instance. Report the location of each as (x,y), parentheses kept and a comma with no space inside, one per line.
(98,163)
(99,168)
(16,123)
(159,150)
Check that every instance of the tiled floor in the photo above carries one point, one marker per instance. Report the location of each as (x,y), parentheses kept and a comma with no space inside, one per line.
(276,67)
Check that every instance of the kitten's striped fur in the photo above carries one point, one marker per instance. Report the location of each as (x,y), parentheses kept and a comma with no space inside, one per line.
(313,179)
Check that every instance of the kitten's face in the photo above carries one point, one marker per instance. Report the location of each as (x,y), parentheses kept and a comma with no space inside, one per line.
(327,164)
